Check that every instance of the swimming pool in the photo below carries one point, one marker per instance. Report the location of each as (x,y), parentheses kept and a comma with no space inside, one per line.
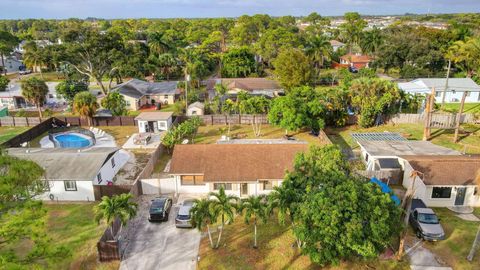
(72,140)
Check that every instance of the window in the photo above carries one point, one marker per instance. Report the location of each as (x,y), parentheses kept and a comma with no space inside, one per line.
(192,180)
(70,185)
(162,124)
(438,94)
(475,191)
(113,162)
(50,96)
(127,103)
(165,97)
(267,185)
(99,177)
(194,112)
(441,192)
(45,186)
(467,94)
(226,186)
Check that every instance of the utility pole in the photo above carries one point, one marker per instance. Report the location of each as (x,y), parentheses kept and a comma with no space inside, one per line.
(459,116)
(446,82)
(428,114)
(187,79)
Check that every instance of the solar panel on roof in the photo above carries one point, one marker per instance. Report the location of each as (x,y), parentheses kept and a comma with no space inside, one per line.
(378,136)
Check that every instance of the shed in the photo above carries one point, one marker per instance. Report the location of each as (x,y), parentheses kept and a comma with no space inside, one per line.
(196,108)
(154,121)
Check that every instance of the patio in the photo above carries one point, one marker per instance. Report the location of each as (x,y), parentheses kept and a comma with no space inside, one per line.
(153,143)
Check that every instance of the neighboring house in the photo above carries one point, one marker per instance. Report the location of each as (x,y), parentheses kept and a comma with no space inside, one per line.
(242,169)
(140,93)
(355,60)
(11,64)
(336,44)
(196,108)
(443,181)
(154,121)
(71,174)
(254,86)
(42,43)
(456,88)
(13,99)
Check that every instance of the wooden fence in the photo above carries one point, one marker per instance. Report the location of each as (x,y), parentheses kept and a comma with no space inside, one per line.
(235,119)
(389,176)
(33,132)
(101,121)
(439,120)
(9,121)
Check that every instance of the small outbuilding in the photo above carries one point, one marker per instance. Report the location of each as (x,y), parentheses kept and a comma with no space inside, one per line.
(154,122)
(196,108)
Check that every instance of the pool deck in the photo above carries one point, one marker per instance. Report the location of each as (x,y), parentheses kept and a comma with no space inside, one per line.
(154,142)
(104,141)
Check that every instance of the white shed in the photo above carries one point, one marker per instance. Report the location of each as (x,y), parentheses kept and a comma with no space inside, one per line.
(154,121)
(196,108)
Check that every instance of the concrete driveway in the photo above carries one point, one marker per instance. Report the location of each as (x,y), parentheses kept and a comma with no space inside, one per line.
(159,245)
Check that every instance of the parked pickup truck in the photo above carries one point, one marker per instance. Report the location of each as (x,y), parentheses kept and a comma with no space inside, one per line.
(425,223)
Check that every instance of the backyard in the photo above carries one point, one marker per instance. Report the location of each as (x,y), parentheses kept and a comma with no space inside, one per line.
(469,139)
(6,133)
(468,108)
(276,250)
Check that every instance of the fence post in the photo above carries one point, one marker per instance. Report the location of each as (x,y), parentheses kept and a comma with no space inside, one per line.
(13,121)
(120,119)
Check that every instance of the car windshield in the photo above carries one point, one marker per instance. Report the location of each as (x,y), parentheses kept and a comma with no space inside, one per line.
(183,217)
(157,206)
(428,218)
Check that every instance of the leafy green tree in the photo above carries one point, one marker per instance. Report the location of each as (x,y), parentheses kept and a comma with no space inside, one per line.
(373,98)
(23,219)
(3,83)
(351,30)
(35,91)
(7,43)
(319,49)
(69,88)
(292,68)
(34,57)
(85,104)
(223,205)
(176,135)
(115,103)
(158,43)
(238,62)
(116,207)
(255,207)
(167,64)
(273,40)
(203,216)
(371,41)
(467,55)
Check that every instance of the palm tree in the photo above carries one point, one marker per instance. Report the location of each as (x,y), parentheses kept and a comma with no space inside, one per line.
(167,64)
(477,237)
(319,49)
(223,205)
(35,91)
(157,43)
(255,207)
(115,207)
(371,41)
(282,198)
(203,216)
(33,57)
(86,105)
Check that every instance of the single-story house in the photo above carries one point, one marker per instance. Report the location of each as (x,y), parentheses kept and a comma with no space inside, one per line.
(196,108)
(336,44)
(154,121)
(71,174)
(11,64)
(242,169)
(12,98)
(254,86)
(454,91)
(138,93)
(355,60)
(444,181)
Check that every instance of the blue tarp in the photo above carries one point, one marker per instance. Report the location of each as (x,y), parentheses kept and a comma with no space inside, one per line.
(386,189)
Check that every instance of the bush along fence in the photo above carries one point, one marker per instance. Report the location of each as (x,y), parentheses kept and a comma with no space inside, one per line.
(110,249)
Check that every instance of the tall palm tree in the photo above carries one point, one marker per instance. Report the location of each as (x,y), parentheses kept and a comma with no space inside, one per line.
(254,207)
(223,205)
(371,41)
(282,199)
(33,57)
(167,63)
(319,49)
(115,207)
(85,104)
(35,91)
(157,43)
(203,216)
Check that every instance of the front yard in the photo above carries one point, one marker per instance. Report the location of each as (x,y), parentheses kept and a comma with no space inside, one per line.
(211,133)
(276,250)
(6,133)
(471,143)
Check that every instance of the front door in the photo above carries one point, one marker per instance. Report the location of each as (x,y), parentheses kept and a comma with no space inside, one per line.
(460,199)
(243,189)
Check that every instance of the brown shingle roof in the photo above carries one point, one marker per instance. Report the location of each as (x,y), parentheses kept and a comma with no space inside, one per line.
(247,84)
(353,58)
(235,162)
(446,170)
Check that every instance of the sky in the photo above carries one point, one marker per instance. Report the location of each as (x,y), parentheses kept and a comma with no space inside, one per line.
(109,9)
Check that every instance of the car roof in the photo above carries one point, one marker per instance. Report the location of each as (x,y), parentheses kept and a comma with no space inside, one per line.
(188,202)
(425,211)
(159,200)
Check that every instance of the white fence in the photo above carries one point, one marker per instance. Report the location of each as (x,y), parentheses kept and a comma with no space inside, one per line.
(158,186)
(438,120)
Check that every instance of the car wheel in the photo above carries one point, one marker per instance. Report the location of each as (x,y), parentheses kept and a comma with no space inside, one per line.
(419,234)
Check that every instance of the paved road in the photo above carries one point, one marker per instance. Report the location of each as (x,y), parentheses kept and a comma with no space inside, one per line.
(160,245)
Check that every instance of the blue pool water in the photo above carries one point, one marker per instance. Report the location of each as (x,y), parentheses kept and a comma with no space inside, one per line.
(72,141)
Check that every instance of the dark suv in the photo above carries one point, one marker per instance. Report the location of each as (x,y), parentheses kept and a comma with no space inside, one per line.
(159,209)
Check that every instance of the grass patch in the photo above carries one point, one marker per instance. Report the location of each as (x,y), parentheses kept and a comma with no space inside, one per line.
(211,133)
(6,133)
(468,141)
(120,133)
(161,163)
(276,250)
(459,238)
(73,225)
(455,107)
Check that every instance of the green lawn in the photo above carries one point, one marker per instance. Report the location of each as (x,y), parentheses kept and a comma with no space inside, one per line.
(276,250)
(468,108)
(120,133)
(341,136)
(211,133)
(6,133)
(460,234)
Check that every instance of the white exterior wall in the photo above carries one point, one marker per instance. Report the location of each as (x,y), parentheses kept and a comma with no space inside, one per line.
(11,65)
(107,171)
(450,97)
(142,125)
(194,111)
(57,189)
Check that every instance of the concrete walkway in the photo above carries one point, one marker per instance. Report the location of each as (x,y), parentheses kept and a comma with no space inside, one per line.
(422,258)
